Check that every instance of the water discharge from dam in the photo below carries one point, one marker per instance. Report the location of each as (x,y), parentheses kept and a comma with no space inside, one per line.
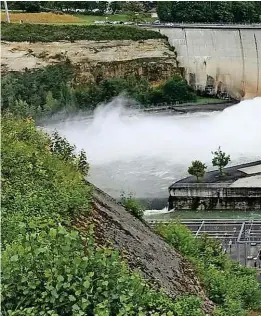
(144,153)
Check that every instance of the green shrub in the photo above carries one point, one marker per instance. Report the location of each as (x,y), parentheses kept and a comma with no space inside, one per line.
(177,89)
(48,33)
(38,179)
(132,206)
(233,287)
(179,237)
(50,269)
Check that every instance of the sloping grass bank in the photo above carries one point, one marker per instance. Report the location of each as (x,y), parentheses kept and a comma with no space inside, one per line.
(48,267)
(50,33)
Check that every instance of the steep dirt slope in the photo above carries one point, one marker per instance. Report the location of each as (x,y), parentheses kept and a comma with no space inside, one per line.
(142,248)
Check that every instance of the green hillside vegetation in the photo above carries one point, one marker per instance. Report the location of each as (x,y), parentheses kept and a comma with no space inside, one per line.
(51,268)
(209,11)
(48,267)
(49,90)
(234,288)
(49,33)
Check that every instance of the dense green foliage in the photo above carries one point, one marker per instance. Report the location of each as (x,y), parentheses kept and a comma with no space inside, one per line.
(197,169)
(132,206)
(49,90)
(38,92)
(220,160)
(40,176)
(49,267)
(54,271)
(233,287)
(209,11)
(50,33)
(86,7)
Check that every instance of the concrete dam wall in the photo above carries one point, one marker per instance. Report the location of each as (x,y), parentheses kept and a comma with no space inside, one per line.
(219,59)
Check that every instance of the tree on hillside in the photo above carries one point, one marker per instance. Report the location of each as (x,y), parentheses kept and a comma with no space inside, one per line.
(148,5)
(246,11)
(28,6)
(102,6)
(115,6)
(222,12)
(220,160)
(164,11)
(133,6)
(197,169)
(176,89)
(209,11)
(83,165)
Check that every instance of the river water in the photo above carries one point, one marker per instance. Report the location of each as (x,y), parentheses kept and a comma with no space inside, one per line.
(143,154)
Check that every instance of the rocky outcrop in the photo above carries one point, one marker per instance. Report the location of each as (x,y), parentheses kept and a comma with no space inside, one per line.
(142,248)
(95,60)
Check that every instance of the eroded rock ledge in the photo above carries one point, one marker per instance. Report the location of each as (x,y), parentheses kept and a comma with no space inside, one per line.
(95,60)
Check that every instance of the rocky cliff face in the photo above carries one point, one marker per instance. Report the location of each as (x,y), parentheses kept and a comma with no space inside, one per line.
(95,61)
(143,249)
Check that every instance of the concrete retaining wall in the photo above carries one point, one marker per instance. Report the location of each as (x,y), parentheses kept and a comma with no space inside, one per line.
(211,197)
(218,58)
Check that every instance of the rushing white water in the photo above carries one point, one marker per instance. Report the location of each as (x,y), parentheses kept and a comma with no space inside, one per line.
(143,154)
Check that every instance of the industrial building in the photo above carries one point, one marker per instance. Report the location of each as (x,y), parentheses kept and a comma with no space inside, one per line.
(239,189)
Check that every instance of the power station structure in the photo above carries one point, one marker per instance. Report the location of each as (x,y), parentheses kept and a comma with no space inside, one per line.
(239,189)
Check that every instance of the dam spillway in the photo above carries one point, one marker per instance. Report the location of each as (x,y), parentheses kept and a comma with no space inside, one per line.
(144,153)
(219,59)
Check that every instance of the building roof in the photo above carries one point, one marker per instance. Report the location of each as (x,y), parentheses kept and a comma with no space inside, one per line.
(247,182)
(244,175)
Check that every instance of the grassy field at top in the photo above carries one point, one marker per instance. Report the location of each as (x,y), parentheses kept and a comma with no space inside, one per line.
(52,18)
(44,17)
(47,33)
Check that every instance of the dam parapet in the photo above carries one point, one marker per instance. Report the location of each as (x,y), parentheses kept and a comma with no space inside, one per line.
(240,189)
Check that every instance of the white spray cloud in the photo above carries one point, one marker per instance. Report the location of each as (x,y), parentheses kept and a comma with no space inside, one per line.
(145,153)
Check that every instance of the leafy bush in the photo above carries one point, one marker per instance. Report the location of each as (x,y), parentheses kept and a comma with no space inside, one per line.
(38,180)
(197,169)
(53,270)
(132,206)
(177,89)
(233,287)
(220,160)
(48,33)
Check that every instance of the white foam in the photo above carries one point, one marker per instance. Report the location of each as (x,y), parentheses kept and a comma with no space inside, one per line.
(153,212)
